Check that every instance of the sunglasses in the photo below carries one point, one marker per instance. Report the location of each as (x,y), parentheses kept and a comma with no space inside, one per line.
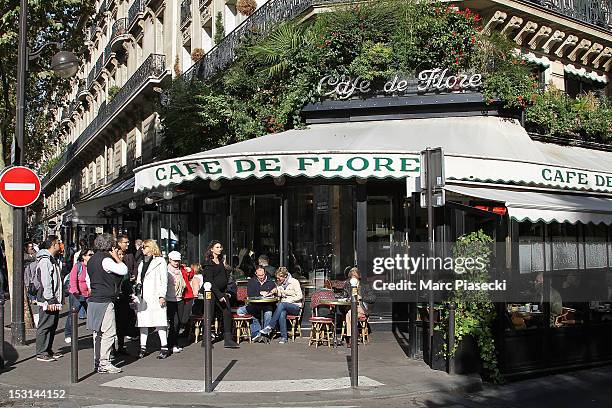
(88,255)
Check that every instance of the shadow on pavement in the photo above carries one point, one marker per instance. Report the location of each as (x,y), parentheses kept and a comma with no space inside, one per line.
(223,373)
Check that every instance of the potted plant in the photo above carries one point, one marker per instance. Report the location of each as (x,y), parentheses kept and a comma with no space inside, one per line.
(474,349)
(246,7)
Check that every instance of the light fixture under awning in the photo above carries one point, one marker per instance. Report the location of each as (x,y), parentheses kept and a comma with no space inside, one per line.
(536,206)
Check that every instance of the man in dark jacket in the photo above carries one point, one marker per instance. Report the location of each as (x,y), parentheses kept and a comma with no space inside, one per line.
(260,285)
(49,298)
(105,271)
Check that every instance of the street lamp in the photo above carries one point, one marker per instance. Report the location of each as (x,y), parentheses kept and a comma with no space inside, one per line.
(65,64)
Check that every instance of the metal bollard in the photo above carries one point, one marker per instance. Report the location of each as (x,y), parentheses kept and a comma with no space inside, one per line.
(207,337)
(1,331)
(354,335)
(74,346)
(451,337)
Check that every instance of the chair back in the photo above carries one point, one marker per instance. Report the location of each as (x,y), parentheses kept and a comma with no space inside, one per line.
(318,296)
(241,294)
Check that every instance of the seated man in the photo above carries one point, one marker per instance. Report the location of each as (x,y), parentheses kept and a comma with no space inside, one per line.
(258,286)
(290,293)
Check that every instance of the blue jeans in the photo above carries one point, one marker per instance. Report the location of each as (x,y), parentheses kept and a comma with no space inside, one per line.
(255,325)
(81,303)
(280,316)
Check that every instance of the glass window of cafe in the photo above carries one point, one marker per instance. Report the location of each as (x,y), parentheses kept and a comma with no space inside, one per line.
(567,270)
(309,229)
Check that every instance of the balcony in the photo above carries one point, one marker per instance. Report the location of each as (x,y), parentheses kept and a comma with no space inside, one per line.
(206,13)
(136,10)
(119,29)
(595,12)
(153,68)
(82,91)
(185,12)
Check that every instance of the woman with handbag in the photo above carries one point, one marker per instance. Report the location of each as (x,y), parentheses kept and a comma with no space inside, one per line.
(151,289)
(78,288)
(218,274)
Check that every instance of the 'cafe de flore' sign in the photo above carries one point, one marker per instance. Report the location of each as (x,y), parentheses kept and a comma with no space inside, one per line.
(430,80)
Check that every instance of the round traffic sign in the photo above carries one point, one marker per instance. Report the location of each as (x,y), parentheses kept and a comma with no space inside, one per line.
(52,224)
(19,186)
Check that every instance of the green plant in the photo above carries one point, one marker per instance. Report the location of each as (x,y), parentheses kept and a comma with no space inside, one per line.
(219,28)
(475,312)
(506,75)
(373,61)
(553,112)
(112,92)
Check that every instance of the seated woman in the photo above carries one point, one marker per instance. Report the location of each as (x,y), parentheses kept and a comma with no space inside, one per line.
(365,297)
(290,293)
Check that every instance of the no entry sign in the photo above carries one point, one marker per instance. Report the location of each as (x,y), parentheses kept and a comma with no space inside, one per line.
(19,186)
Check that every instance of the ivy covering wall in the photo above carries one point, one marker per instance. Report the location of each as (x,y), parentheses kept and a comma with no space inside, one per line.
(274,76)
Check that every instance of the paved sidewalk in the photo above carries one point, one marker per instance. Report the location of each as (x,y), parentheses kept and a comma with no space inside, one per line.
(254,375)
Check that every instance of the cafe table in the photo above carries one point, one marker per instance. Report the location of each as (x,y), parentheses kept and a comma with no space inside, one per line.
(336,303)
(261,300)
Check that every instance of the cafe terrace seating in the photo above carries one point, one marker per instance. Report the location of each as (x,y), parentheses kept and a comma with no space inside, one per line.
(363,328)
(242,322)
(321,326)
(296,322)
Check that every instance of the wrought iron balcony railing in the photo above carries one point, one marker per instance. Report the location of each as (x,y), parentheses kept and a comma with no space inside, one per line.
(103,7)
(119,28)
(185,12)
(153,67)
(596,12)
(204,3)
(136,8)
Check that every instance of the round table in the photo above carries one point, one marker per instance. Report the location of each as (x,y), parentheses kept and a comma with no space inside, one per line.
(262,300)
(336,303)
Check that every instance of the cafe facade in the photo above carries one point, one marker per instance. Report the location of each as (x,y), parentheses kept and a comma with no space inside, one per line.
(346,189)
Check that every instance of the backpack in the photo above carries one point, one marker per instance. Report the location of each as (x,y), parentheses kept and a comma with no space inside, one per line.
(32,278)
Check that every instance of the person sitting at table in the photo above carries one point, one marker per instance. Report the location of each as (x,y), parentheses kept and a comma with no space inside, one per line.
(365,298)
(290,294)
(258,286)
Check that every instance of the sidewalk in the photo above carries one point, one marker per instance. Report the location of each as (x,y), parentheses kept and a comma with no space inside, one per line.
(255,374)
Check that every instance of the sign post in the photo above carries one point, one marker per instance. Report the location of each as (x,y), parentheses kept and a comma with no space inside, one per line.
(207,343)
(19,188)
(432,195)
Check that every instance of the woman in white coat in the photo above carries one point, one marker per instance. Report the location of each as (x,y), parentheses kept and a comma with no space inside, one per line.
(152,284)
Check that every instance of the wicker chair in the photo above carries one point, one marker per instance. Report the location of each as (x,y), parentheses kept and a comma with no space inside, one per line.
(242,322)
(363,328)
(296,322)
(321,326)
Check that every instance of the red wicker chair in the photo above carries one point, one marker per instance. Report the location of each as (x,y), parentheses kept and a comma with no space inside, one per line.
(242,322)
(321,326)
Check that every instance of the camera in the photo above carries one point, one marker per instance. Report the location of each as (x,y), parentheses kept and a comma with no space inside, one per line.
(138,289)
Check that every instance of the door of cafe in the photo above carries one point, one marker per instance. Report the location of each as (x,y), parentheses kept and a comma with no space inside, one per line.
(255,230)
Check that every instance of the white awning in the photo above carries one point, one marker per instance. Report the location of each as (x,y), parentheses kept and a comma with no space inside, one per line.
(535,206)
(378,149)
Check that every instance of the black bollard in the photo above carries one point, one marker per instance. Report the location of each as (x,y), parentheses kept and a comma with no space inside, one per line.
(74,346)
(1,331)
(451,337)
(207,337)
(354,336)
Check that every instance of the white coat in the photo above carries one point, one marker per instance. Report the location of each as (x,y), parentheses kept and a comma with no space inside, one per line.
(154,286)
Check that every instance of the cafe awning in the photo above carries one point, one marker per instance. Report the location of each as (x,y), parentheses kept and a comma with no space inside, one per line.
(369,149)
(548,207)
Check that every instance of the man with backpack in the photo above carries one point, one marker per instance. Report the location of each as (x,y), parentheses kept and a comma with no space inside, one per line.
(49,298)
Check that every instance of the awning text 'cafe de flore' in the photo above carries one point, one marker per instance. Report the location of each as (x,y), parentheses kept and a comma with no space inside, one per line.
(343,190)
